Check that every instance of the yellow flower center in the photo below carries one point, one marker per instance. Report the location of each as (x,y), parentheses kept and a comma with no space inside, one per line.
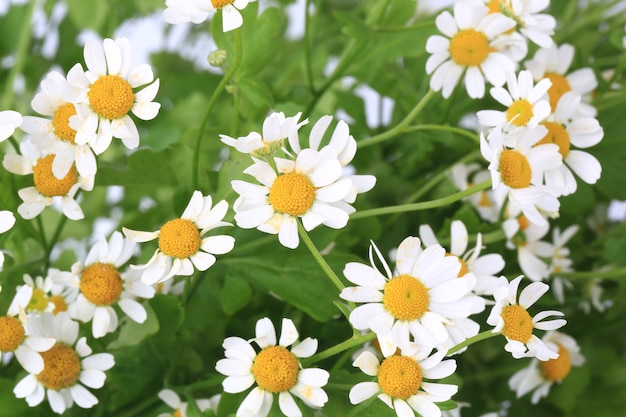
(179,238)
(61,367)
(47,184)
(484,199)
(559,86)
(523,222)
(11,333)
(218,4)
(101,284)
(61,122)
(38,301)
(463,269)
(494,6)
(275,369)
(518,325)
(515,169)
(469,48)
(557,369)
(177,413)
(400,377)
(59,304)
(292,194)
(111,97)
(557,135)
(520,112)
(405,297)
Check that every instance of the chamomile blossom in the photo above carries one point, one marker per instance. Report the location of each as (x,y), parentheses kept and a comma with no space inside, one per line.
(560,261)
(401,381)
(463,176)
(517,172)
(197,11)
(108,94)
(303,188)
(101,285)
(183,11)
(554,63)
(172,399)
(56,100)
(539,376)
(276,129)
(536,26)
(47,295)
(7,220)
(16,339)
(9,121)
(182,245)
(484,268)
(69,367)
(569,131)
(417,300)
(511,318)
(467,47)
(47,187)
(275,369)
(523,100)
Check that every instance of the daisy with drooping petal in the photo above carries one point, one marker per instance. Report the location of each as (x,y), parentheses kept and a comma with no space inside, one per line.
(15,338)
(9,121)
(540,376)
(305,188)
(512,319)
(276,129)
(517,172)
(344,144)
(400,382)
(524,101)
(464,176)
(565,129)
(69,366)
(172,399)
(231,15)
(47,187)
(553,63)
(417,300)
(181,243)
(536,26)
(274,370)
(54,135)
(107,94)
(7,220)
(101,285)
(468,47)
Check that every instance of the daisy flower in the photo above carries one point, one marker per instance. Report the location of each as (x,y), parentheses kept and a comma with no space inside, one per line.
(484,268)
(553,63)
(540,376)
(566,128)
(183,11)
(47,187)
(344,145)
(464,176)
(468,47)
(69,366)
(47,295)
(16,339)
(56,100)
(524,101)
(517,172)
(538,27)
(7,220)
(400,382)
(182,245)
(231,15)
(304,188)
(101,284)
(9,121)
(276,129)
(419,299)
(512,319)
(172,399)
(275,370)
(107,93)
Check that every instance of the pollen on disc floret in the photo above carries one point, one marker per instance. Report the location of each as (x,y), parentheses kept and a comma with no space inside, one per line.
(111,97)
(292,194)
(12,333)
(405,297)
(275,369)
(101,284)
(515,169)
(518,325)
(61,122)
(400,377)
(61,367)
(49,185)
(179,238)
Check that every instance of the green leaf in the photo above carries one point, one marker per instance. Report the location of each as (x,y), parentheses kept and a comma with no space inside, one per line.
(235,294)
(132,332)
(256,91)
(144,167)
(169,313)
(88,14)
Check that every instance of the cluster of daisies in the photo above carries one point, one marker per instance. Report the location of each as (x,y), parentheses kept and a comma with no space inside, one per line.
(80,115)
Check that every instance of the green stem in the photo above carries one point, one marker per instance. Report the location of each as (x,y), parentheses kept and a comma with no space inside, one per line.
(458,130)
(318,257)
(20,56)
(343,346)
(613,273)
(55,237)
(218,90)
(487,334)
(307,46)
(441,202)
(400,127)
